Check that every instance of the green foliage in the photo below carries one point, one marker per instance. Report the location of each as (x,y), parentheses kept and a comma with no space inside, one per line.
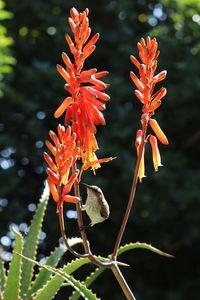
(12,286)
(88,281)
(2,277)
(20,279)
(53,285)
(6,60)
(139,245)
(98,271)
(43,276)
(31,242)
(61,275)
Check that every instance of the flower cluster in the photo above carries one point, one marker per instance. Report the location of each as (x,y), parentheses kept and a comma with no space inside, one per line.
(64,150)
(150,100)
(83,112)
(83,108)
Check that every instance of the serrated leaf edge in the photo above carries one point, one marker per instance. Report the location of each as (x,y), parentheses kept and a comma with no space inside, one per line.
(72,241)
(145,246)
(69,278)
(43,201)
(88,281)
(20,270)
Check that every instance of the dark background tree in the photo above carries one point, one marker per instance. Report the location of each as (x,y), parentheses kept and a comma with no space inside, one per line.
(166,209)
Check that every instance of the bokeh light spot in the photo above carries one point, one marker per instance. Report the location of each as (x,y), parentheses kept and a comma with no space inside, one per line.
(71,214)
(41,115)
(5,241)
(23,31)
(142,18)
(32,207)
(51,30)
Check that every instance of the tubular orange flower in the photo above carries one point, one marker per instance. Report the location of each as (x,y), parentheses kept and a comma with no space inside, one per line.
(155,151)
(138,141)
(65,153)
(150,100)
(158,131)
(148,54)
(87,98)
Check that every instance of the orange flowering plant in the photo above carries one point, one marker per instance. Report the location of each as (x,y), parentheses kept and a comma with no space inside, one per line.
(75,140)
(83,108)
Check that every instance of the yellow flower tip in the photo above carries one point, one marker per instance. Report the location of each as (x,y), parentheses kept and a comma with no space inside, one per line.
(141,171)
(140,178)
(96,163)
(155,152)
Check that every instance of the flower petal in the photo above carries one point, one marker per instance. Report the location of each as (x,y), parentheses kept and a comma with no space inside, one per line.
(70,182)
(54,138)
(158,131)
(53,190)
(52,176)
(137,82)
(63,106)
(138,138)
(63,73)
(139,95)
(51,147)
(159,95)
(135,61)
(50,161)
(70,199)
(155,151)
(93,41)
(67,60)
(141,171)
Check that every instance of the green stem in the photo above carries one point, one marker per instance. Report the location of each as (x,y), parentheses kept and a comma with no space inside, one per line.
(122,282)
(62,230)
(79,214)
(133,189)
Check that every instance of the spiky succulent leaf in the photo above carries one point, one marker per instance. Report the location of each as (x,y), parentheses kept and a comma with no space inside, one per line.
(52,287)
(2,277)
(44,275)
(75,265)
(48,291)
(88,281)
(12,286)
(98,271)
(137,245)
(31,241)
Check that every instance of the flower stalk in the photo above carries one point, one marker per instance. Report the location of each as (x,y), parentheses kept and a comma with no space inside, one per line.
(122,282)
(150,100)
(133,190)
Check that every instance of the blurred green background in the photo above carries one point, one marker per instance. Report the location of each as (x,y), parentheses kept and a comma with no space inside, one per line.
(166,211)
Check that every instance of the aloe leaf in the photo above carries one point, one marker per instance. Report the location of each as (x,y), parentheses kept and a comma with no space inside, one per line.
(145,246)
(2,277)
(75,264)
(88,281)
(31,241)
(53,285)
(131,246)
(12,286)
(50,290)
(44,275)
